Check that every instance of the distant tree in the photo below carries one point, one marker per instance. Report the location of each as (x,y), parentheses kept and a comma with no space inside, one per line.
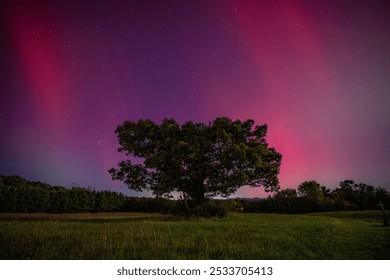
(310,189)
(14,180)
(19,195)
(286,194)
(199,161)
(326,192)
(366,197)
(311,196)
(360,195)
(286,200)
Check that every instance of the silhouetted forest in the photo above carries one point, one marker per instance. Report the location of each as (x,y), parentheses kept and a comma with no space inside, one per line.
(310,196)
(19,195)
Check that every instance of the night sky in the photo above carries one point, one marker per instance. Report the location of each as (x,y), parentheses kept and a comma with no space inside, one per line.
(317,72)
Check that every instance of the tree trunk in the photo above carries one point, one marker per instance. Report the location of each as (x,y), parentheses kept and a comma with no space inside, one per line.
(185,198)
(199,195)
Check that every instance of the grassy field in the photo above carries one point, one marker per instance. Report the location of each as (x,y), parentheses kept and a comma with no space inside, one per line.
(342,235)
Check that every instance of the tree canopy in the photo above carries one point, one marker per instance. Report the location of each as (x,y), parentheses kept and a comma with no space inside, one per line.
(197,160)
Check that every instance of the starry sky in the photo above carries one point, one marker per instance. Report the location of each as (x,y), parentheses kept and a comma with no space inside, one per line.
(317,72)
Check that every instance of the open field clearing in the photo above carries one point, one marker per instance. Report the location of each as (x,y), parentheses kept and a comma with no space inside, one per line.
(342,235)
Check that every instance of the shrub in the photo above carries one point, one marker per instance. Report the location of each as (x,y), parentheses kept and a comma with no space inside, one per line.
(210,209)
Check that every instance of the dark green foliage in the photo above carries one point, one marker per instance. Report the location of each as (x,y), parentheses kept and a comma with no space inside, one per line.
(360,196)
(20,195)
(210,209)
(196,160)
(310,196)
(287,201)
(14,181)
(23,198)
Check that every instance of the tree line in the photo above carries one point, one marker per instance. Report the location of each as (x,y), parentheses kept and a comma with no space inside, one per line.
(310,196)
(19,195)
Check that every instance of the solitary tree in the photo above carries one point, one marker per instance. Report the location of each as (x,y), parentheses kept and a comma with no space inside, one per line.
(196,160)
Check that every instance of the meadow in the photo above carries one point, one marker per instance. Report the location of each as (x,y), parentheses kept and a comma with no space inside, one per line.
(337,235)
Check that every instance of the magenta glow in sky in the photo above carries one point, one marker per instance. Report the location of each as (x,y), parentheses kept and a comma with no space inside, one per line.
(317,72)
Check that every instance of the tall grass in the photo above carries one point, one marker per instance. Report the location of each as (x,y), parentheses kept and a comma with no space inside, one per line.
(241,236)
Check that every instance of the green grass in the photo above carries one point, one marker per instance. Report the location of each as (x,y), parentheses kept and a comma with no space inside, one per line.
(342,235)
